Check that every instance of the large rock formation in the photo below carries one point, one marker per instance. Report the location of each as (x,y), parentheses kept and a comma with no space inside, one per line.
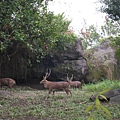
(102,62)
(69,61)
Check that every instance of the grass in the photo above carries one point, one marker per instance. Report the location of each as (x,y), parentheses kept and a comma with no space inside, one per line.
(26,103)
(106,84)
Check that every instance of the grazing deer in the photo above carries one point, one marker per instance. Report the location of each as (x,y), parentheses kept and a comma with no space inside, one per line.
(7,82)
(74,84)
(52,86)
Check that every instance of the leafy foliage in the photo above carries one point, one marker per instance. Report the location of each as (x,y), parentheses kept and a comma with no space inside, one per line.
(98,106)
(110,28)
(112,8)
(116,44)
(28,25)
(90,37)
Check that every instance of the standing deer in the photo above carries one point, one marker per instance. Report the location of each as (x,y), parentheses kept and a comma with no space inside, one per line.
(7,82)
(52,86)
(74,84)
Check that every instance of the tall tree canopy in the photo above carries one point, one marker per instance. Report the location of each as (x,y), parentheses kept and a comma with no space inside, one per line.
(27,24)
(112,8)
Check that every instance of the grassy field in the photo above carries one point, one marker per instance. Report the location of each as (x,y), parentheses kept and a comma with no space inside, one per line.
(25,103)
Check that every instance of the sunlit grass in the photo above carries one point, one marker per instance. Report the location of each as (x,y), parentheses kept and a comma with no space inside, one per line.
(33,104)
(100,86)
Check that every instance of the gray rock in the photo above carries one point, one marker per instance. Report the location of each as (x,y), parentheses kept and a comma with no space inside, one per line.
(113,96)
(103,60)
(115,99)
(70,61)
(73,62)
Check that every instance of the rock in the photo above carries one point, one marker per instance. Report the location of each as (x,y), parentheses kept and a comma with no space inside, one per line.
(102,62)
(69,61)
(115,99)
(113,96)
(72,62)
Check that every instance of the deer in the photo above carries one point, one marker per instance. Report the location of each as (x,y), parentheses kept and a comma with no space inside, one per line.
(53,86)
(7,82)
(74,84)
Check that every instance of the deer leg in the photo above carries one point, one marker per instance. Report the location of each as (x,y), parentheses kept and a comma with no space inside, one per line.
(70,92)
(10,88)
(50,90)
(53,92)
(1,87)
(79,86)
(66,91)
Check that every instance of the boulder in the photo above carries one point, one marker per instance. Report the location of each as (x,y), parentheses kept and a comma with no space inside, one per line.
(72,62)
(102,62)
(69,61)
(113,96)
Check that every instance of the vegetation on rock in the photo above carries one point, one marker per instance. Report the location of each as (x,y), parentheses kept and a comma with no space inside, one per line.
(28,26)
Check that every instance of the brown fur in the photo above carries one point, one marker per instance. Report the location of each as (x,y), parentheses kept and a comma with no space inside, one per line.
(52,86)
(7,82)
(74,84)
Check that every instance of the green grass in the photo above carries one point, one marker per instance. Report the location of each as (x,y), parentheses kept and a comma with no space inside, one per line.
(104,85)
(32,104)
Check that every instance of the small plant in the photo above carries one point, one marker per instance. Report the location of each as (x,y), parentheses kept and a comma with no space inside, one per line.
(100,108)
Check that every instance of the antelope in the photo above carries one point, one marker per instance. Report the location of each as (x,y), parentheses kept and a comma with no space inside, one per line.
(52,86)
(7,82)
(74,84)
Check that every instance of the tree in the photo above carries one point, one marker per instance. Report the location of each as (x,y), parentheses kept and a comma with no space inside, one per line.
(112,8)
(28,25)
(110,28)
(116,44)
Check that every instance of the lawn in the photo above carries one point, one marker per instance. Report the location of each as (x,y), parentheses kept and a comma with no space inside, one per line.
(26,103)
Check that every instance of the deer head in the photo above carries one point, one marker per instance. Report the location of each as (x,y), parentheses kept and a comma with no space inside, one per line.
(47,74)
